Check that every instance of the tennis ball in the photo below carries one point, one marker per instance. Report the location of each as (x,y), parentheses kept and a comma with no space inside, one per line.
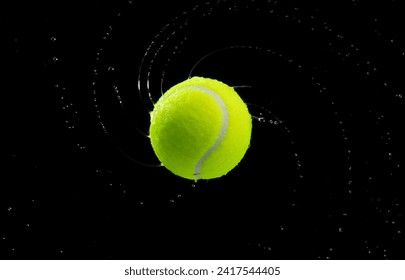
(200,129)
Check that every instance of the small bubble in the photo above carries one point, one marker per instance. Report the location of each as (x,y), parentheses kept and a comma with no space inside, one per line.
(111,68)
(53,39)
(55,59)
(80,146)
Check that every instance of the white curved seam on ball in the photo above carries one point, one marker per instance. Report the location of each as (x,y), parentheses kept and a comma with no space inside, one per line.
(222,131)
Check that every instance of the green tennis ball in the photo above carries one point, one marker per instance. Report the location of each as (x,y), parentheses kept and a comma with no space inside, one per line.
(200,129)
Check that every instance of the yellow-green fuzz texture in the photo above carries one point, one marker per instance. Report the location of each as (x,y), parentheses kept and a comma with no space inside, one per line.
(200,129)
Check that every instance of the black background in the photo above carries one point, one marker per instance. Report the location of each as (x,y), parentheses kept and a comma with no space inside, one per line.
(326,183)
